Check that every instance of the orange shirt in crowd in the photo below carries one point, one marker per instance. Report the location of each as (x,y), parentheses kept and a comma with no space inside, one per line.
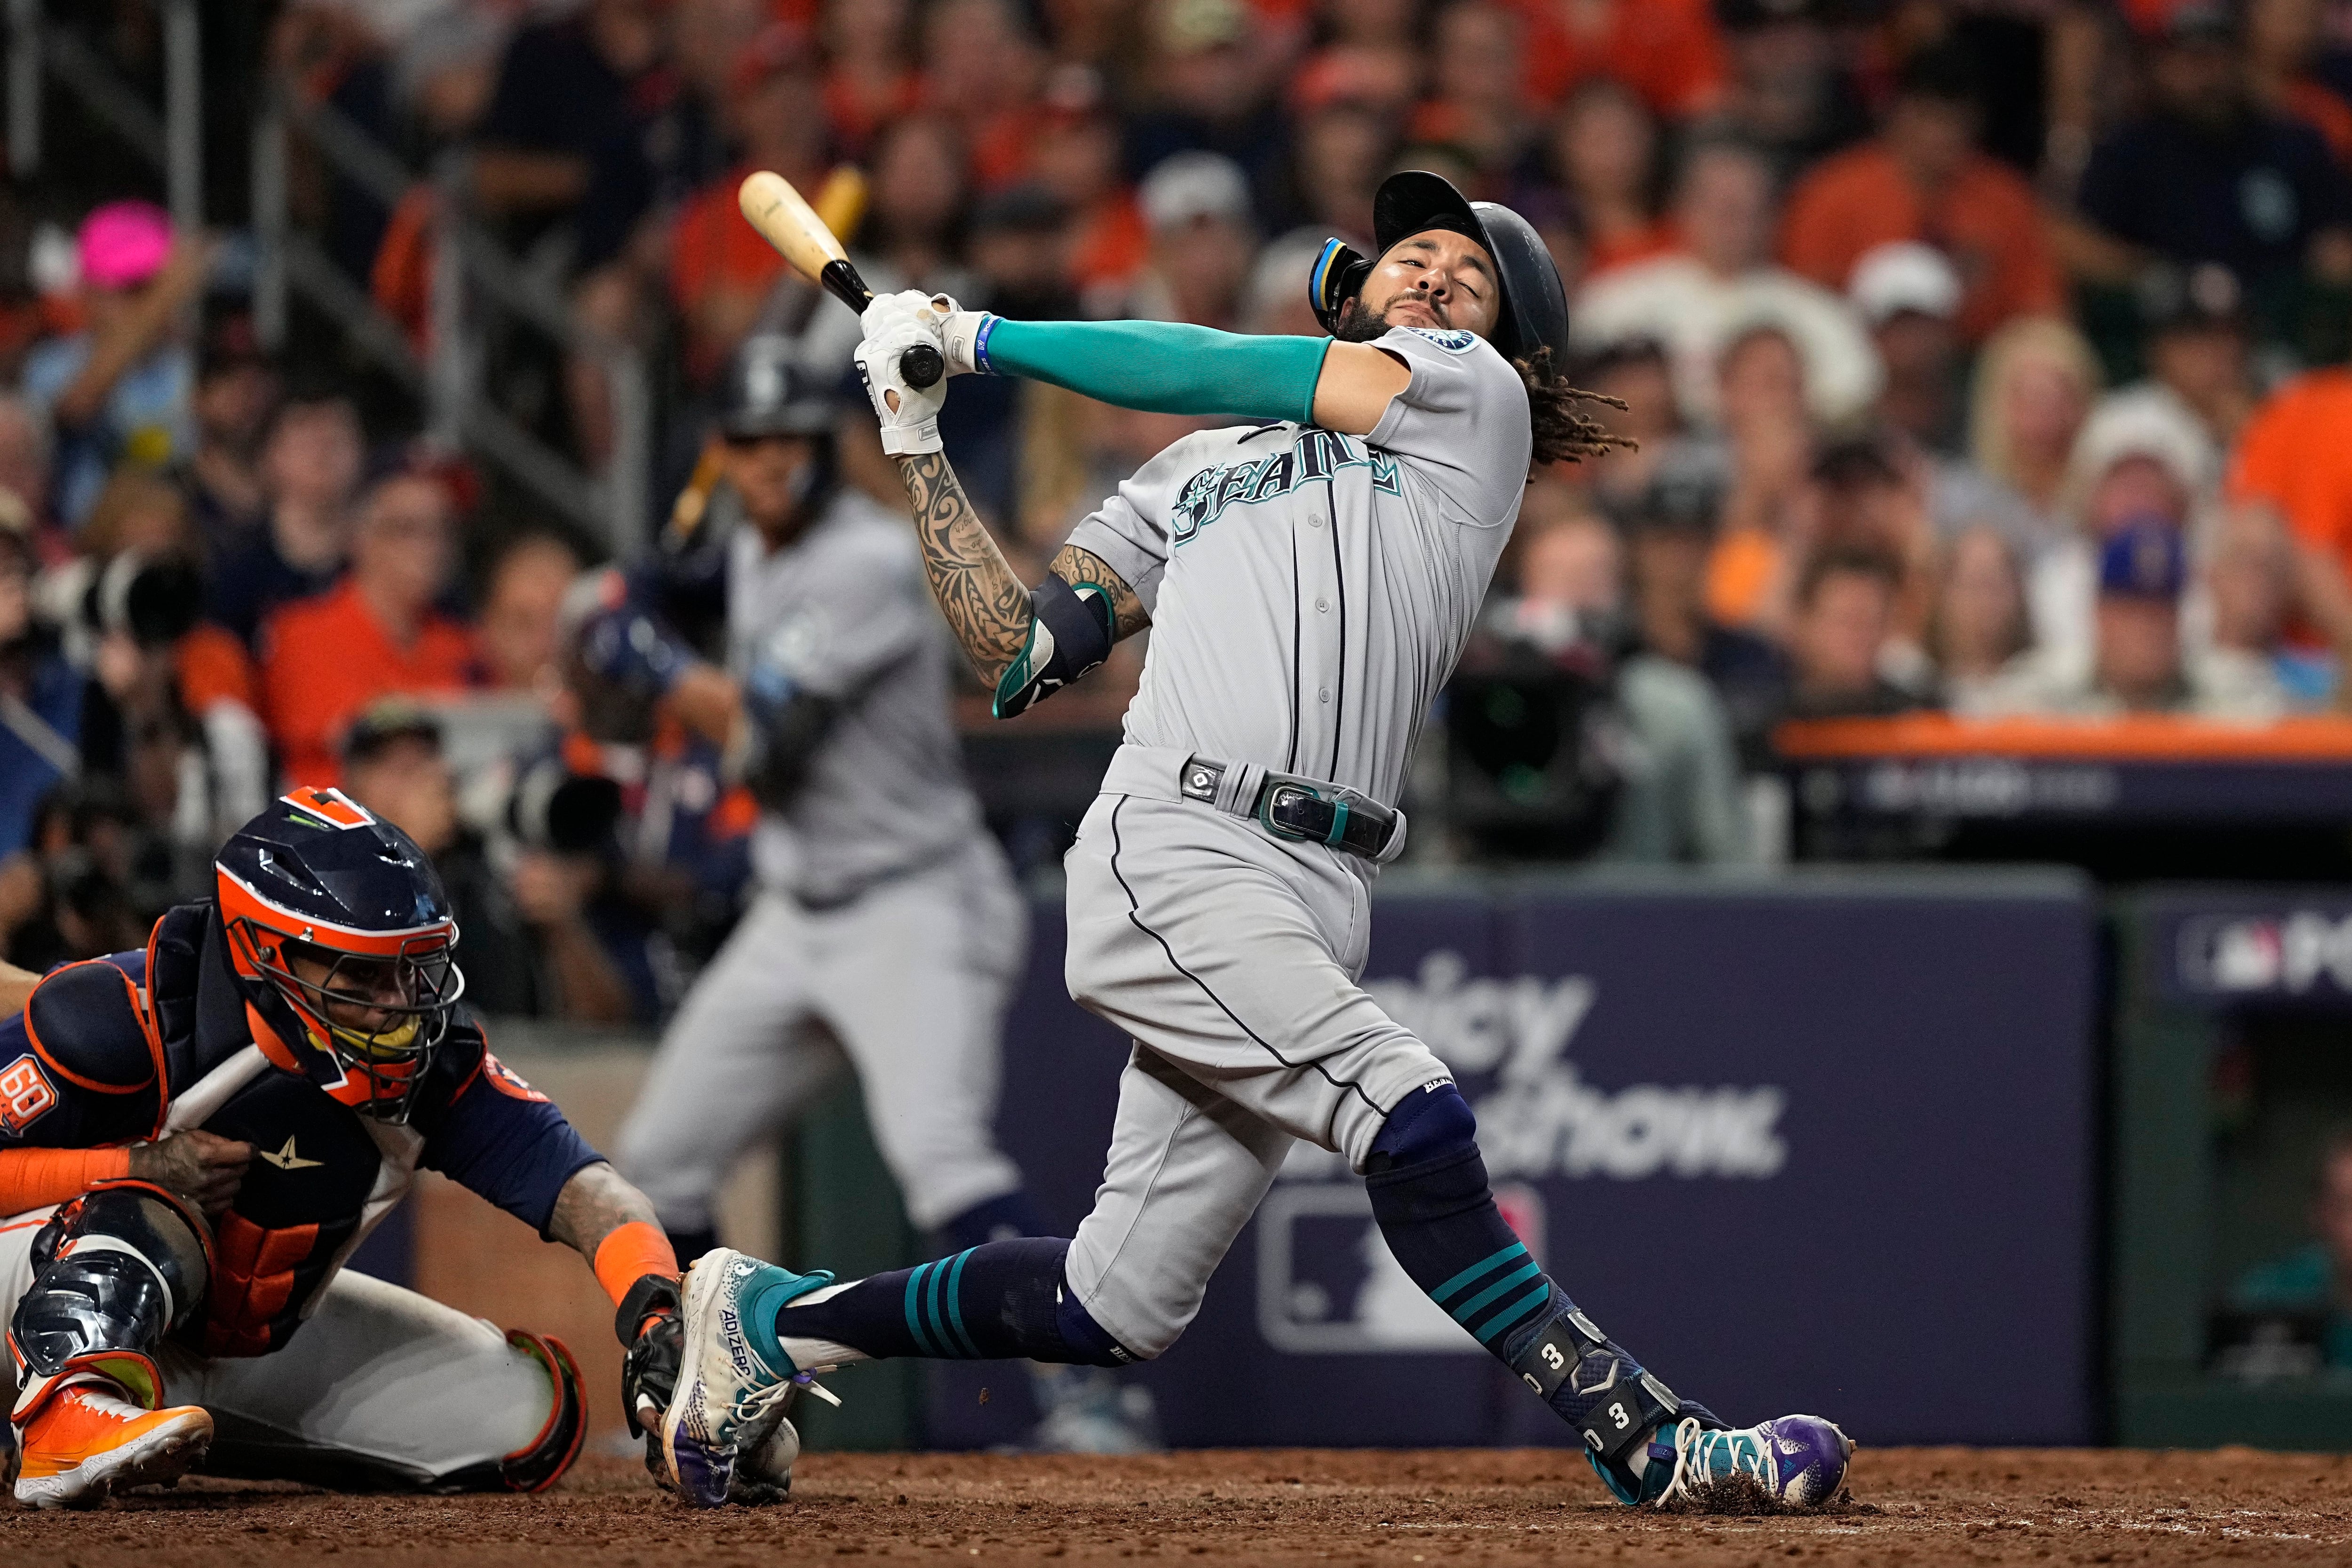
(1739,570)
(325,659)
(1669,51)
(212,665)
(2297,454)
(1987,221)
(711,245)
(1108,243)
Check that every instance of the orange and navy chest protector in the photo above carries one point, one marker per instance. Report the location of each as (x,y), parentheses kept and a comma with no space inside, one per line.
(120,1049)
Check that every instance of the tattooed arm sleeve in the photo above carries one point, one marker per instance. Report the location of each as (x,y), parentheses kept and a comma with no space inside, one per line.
(992,614)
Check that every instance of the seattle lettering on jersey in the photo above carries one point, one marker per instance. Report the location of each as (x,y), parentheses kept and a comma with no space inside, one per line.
(1315,456)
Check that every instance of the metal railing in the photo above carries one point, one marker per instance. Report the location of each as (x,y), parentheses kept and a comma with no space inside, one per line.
(174,141)
(472,274)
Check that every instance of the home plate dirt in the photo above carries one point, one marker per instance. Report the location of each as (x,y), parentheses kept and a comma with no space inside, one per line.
(1909,1507)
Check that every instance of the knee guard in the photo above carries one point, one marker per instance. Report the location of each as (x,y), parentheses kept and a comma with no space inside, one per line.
(1433,1122)
(539,1463)
(115,1270)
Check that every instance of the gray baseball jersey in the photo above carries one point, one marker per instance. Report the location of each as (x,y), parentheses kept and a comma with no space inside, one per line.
(1310,592)
(886,932)
(842,612)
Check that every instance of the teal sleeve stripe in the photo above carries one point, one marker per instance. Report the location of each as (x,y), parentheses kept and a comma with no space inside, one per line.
(955,1305)
(1166,367)
(914,1317)
(1495,1292)
(1486,1331)
(1515,1249)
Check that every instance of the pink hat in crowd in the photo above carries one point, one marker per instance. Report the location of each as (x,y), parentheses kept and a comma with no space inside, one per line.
(123,244)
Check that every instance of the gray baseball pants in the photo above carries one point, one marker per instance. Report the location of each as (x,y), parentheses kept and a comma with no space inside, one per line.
(906,983)
(1231,959)
(377,1373)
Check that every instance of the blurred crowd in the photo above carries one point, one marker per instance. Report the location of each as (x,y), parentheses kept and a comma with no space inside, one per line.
(1980,356)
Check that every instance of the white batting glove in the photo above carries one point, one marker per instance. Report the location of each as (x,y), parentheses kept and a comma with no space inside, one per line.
(909,417)
(908,308)
(961,334)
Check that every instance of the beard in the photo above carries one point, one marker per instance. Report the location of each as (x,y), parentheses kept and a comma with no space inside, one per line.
(1359,325)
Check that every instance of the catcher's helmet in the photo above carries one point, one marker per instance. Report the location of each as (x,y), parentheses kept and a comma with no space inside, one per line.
(340,939)
(1412,201)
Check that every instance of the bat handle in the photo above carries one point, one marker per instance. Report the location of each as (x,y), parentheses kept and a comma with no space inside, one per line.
(922,366)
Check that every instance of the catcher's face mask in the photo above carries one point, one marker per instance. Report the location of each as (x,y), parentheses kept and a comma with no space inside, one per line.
(379,1015)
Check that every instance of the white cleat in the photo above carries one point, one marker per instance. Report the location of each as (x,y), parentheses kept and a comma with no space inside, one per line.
(734,1380)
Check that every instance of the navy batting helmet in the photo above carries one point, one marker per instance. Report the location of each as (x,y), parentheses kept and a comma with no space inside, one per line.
(342,941)
(1413,201)
(769,391)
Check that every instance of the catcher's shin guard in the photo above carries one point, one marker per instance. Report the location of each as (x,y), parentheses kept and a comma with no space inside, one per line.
(114,1271)
(539,1463)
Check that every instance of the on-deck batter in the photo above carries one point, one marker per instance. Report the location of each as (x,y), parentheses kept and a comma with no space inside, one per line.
(1310,583)
(886,928)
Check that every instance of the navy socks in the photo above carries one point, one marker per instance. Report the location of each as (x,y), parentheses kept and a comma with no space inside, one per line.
(1002,1298)
(1430,1194)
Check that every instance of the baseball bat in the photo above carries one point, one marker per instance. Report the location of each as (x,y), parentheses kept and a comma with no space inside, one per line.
(771,206)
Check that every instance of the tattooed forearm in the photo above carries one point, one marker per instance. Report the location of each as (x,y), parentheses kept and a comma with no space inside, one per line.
(985,604)
(1074,565)
(596,1201)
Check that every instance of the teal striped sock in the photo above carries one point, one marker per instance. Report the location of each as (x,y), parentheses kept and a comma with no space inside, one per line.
(1439,1218)
(1003,1299)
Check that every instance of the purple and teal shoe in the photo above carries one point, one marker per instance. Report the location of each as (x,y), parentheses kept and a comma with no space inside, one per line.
(1799,1462)
(735,1380)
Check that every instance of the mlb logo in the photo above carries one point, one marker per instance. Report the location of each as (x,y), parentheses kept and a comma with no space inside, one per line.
(1328,1284)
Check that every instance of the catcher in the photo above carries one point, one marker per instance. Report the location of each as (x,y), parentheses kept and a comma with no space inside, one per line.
(194,1138)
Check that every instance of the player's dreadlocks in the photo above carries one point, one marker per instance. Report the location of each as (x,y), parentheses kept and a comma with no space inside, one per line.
(1563,431)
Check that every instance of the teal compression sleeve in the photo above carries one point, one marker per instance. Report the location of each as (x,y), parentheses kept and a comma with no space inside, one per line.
(1164,367)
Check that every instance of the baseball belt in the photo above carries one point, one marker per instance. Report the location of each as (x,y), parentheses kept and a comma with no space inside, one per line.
(1285,805)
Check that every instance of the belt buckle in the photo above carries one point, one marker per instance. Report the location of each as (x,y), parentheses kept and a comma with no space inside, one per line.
(1281,793)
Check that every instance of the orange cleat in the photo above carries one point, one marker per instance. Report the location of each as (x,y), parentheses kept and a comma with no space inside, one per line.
(86,1443)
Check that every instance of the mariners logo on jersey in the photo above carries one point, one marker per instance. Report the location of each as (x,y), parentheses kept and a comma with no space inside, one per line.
(1456,341)
(1314,457)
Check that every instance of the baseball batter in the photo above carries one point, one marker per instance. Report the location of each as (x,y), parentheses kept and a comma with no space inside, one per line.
(886,928)
(1310,581)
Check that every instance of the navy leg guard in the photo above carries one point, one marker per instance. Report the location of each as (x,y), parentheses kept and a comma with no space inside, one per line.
(1003,1298)
(1430,1194)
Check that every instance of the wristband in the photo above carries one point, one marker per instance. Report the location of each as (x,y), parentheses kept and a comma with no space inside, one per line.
(629,1254)
(36,1178)
(965,337)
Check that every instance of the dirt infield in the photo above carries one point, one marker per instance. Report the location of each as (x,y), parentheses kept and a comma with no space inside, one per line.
(1912,1506)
